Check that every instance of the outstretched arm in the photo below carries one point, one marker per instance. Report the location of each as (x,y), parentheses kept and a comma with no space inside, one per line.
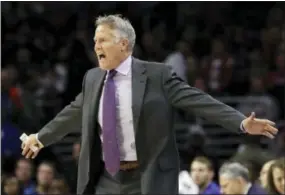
(190,99)
(193,100)
(67,121)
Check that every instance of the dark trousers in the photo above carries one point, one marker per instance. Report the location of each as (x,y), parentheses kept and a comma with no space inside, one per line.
(124,182)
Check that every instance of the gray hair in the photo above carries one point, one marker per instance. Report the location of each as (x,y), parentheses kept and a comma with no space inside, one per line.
(121,25)
(234,170)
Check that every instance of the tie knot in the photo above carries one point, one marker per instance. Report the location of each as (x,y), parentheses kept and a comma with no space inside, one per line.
(112,73)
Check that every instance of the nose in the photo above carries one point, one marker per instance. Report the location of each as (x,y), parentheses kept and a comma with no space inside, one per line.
(97,46)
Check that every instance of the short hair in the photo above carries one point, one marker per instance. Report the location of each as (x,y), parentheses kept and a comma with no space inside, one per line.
(234,170)
(121,25)
(49,164)
(26,160)
(204,160)
(29,161)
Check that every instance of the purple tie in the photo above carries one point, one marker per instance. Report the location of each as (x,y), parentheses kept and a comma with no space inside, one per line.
(110,146)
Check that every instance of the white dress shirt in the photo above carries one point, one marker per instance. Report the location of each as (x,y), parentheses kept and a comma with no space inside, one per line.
(125,126)
(186,184)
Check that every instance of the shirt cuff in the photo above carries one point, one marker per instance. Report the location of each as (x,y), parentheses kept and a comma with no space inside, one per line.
(40,143)
(242,128)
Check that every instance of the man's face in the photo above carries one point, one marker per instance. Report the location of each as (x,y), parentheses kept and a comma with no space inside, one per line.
(200,173)
(45,174)
(109,48)
(23,171)
(230,185)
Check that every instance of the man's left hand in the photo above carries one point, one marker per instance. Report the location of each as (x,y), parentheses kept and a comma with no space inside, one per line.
(255,126)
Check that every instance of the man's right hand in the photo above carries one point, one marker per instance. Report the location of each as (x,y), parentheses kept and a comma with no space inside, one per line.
(31,142)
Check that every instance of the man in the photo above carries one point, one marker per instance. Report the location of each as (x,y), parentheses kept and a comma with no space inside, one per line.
(202,172)
(234,179)
(139,117)
(23,172)
(45,177)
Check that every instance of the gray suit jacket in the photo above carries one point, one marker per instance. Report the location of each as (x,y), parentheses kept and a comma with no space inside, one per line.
(156,94)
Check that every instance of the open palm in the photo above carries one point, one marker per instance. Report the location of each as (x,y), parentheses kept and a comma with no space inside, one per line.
(255,126)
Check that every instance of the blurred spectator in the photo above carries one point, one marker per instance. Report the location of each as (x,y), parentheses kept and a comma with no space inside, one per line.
(19,105)
(202,172)
(259,101)
(24,172)
(234,179)
(252,154)
(200,84)
(58,187)
(182,61)
(258,66)
(264,174)
(217,68)
(276,177)
(45,176)
(11,186)
(48,93)
(16,116)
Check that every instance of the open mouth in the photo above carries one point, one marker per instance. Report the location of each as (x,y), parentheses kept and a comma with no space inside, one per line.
(101,56)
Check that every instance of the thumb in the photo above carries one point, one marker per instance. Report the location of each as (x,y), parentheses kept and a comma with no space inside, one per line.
(252,116)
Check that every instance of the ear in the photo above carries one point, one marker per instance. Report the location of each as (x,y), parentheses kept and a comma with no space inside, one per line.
(124,44)
(240,180)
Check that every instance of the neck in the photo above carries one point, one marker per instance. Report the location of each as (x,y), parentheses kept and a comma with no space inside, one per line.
(203,187)
(246,188)
(124,57)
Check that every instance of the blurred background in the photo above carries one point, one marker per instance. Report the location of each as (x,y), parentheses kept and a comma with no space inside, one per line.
(234,51)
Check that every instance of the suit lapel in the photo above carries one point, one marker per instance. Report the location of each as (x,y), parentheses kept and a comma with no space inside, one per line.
(96,90)
(139,80)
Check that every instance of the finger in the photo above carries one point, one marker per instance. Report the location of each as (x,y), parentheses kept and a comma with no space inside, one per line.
(270,122)
(264,121)
(26,149)
(30,153)
(269,135)
(271,129)
(252,116)
(23,145)
(34,148)
(35,153)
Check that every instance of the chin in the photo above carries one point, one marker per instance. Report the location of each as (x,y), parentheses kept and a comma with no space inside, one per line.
(104,67)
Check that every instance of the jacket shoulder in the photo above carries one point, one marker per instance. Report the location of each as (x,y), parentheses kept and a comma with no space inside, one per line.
(153,66)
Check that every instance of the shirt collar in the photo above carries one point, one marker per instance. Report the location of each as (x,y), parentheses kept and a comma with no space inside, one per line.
(125,67)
